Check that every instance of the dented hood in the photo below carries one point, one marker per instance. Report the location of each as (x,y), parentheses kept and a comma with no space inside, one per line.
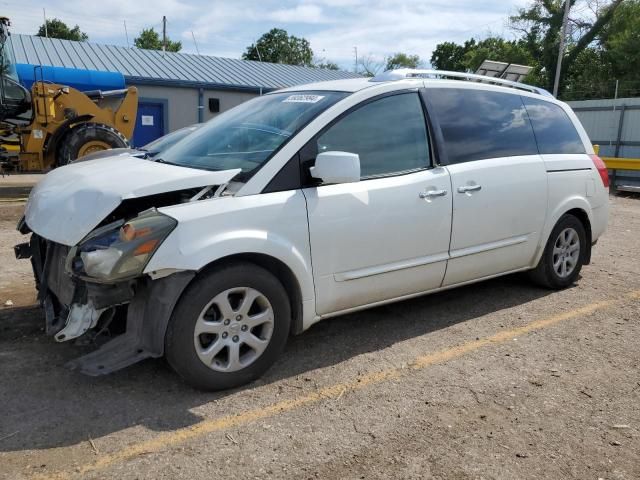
(71,201)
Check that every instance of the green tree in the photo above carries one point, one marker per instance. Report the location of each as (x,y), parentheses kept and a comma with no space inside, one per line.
(149,39)
(621,45)
(450,55)
(498,49)
(277,46)
(402,60)
(56,28)
(541,25)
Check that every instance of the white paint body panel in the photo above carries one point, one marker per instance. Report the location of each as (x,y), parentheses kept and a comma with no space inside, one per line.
(497,228)
(273,224)
(377,239)
(71,201)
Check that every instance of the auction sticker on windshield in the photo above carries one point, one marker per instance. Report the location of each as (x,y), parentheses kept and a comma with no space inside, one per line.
(303,99)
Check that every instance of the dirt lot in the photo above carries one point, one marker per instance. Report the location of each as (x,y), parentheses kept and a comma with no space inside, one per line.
(496,380)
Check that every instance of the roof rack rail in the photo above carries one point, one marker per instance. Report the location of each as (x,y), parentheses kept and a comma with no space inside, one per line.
(403,73)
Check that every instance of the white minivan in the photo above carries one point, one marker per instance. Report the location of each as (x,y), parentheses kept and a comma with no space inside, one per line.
(307,203)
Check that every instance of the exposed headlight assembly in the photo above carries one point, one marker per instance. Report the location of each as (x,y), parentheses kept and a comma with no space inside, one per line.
(120,250)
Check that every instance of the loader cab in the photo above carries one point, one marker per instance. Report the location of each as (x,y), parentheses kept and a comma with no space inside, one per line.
(15,100)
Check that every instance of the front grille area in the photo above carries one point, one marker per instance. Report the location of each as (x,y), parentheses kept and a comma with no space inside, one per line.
(59,282)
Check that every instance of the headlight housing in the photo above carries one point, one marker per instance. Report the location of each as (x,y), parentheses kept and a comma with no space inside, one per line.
(120,250)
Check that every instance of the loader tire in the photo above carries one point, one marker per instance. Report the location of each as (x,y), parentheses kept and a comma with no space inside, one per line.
(87,138)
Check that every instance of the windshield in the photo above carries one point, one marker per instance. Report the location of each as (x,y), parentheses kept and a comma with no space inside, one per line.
(166,141)
(246,136)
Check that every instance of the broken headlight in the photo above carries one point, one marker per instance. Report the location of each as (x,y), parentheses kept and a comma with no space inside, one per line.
(121,249)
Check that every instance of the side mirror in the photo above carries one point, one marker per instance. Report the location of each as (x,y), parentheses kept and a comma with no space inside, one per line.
(336,167)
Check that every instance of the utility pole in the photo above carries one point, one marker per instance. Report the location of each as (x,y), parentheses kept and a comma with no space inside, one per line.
(46,31)
(563,35)
(164,33)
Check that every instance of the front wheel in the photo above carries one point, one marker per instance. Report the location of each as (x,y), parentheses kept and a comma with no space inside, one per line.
(563,255)
(229,327)
(88,138)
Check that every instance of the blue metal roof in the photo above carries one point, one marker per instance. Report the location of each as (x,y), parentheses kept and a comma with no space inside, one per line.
(167,68)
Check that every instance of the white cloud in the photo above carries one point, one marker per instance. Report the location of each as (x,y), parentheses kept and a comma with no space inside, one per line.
(226,28)
(299,14)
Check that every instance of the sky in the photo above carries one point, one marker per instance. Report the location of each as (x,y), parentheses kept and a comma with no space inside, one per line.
(377,28)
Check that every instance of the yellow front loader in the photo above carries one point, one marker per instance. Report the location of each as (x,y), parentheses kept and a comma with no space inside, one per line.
(53,124)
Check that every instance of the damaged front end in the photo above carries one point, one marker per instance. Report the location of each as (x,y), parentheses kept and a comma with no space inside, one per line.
(94,292)
(94,227)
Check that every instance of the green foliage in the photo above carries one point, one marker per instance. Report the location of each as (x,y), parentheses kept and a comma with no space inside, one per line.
(496,48)
(622,41)
(601,48)
(402,60)
(450,56)
(56,28)
(277,46)
(149,39)
(541,26)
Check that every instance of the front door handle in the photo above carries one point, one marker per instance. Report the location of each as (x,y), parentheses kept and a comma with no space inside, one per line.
(469,188)
(433,193)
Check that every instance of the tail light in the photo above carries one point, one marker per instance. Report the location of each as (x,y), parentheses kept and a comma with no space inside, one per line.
(602,169)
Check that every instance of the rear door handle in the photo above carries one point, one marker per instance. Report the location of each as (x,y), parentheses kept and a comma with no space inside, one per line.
(469,188)
(433,193)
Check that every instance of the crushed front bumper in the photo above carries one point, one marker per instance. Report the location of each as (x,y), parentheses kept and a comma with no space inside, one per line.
(147,306)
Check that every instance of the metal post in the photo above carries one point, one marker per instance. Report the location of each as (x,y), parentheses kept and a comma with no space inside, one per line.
(565,21)
(46,31)
(164,33)
(126,34)
(620,124)
(195,43)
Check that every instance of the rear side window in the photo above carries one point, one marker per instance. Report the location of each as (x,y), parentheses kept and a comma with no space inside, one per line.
(478,124)
(554,130)
(389,135)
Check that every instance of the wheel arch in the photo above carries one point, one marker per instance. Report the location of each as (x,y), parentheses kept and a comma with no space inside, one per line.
(578,207)
(582,215)
(275,266)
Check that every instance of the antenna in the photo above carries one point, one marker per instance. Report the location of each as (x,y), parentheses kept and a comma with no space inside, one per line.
(195,43)
(258,51)
(126,34)
(164,33)
(46,31)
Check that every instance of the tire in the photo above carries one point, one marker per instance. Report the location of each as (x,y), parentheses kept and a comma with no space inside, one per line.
(86,138)
(558,251)
(204,358)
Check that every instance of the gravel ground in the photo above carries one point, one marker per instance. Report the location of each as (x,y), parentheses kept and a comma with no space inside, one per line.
(495,380)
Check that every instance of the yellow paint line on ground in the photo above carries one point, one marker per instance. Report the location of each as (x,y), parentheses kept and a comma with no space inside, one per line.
(169,439)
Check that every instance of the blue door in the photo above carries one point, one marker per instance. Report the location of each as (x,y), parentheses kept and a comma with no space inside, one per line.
(149,123)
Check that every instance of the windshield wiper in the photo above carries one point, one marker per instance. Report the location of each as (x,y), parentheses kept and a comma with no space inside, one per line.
(162,160)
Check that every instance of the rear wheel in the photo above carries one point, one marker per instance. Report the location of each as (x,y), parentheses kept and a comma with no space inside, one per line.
(563,255)
(229,327)
(88,138)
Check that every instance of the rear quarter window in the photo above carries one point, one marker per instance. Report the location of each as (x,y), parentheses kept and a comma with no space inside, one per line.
(479,124)
(554,129)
